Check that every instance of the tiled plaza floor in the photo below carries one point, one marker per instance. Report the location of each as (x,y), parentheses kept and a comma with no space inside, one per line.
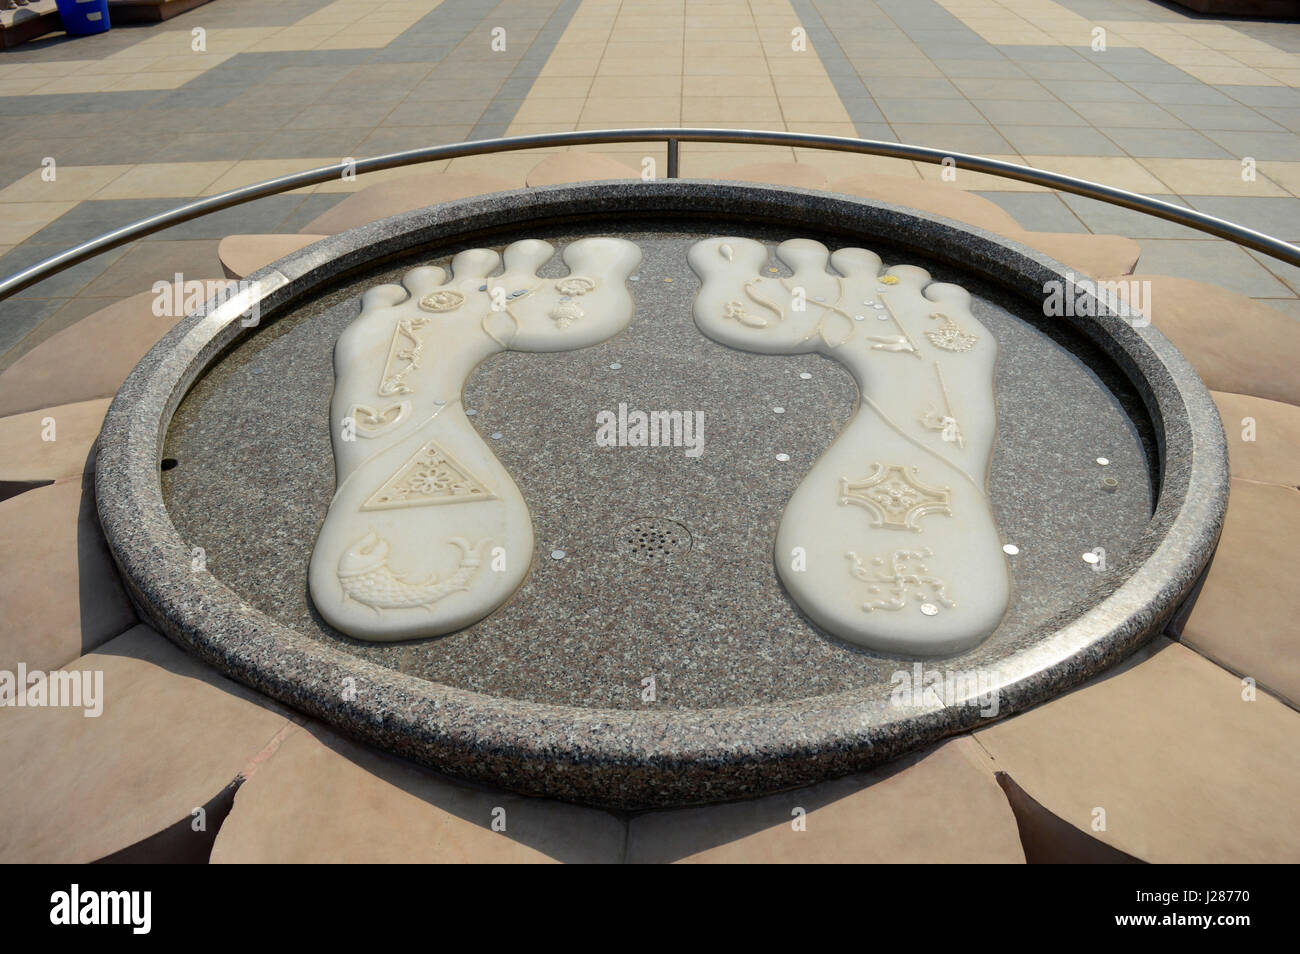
(137,120)
(100,131)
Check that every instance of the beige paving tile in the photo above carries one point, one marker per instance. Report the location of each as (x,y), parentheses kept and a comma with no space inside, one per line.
(170,80)
(1231,76)
(21,220)
(838,165)
(619,66)
(1285,174)
(1218,176)
(813,109)
(64,595)
(645,111)
(944,806)
(537,109)
(247,171)
(706,110)
(1183,766)
(172,735)
(71,183)
(383,809)
(1118,171)
(164,179)
(564,87)
(51,443)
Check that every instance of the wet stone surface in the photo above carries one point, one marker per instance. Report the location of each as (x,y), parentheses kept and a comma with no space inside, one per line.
(711,624)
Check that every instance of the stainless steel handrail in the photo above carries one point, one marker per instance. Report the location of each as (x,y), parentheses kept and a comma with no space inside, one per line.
(1273,247)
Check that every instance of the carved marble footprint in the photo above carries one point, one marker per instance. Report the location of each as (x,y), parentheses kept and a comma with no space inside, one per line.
(889,542)
(427,532)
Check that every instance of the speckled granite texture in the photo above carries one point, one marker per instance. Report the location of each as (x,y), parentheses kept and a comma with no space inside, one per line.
(545,695)
(714,628)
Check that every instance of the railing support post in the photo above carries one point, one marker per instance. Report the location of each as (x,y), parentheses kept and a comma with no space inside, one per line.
(672,158)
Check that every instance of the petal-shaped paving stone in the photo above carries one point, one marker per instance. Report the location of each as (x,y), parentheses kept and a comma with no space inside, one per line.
(579,167)
(50,443)
(943,806)
(92,358)
(1184,768)
(795,174)
(1235,344)
(935,198)
(1095,255)
(1263,438)
(1244,616)
(415,191)
(171,736)
(381,809)
(62,593)
(241,255)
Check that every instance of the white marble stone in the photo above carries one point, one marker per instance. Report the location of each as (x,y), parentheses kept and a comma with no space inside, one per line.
(890,541)
(427,532)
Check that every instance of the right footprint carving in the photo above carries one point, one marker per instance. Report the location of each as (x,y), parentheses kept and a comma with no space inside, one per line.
(902,554)
(427,532)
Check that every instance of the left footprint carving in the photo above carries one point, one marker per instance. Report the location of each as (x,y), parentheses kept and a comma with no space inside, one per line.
(427,532)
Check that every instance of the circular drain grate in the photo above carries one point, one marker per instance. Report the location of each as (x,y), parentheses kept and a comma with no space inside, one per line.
(650,540)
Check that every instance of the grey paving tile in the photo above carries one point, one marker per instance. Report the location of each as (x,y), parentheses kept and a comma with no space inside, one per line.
(198,97)
(374,95)
(1234,117)
(929,110)
(1033,53)
(912,87)
(1111,115)
(1004,69)
(974,138)
(253,218)
(871,68)
(1260,145)
(203,147)
(437,113)
(311,143)
(1276,216)
(1104,218)
(1093,91)
(19,316)
(66,283)
(1147,73)
(1288,306)
(1188,94)
(272,96)
(1019,112)
(1058,141)
(1285,116)
(310,208)
(94,217)
(1167,143)
(976,87)
(387,139)
(1041,212)
(1264,95)
(1075,70)
(1288,274)
(1217,262)
(338,116)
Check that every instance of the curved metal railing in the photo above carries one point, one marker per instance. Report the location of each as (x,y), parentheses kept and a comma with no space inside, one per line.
(1274,247)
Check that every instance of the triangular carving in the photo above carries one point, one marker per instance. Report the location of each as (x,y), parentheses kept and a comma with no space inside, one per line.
(431,476)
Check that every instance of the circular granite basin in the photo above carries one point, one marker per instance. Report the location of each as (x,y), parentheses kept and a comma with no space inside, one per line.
(651,656)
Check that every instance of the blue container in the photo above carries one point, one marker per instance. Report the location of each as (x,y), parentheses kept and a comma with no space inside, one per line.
(83,17)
